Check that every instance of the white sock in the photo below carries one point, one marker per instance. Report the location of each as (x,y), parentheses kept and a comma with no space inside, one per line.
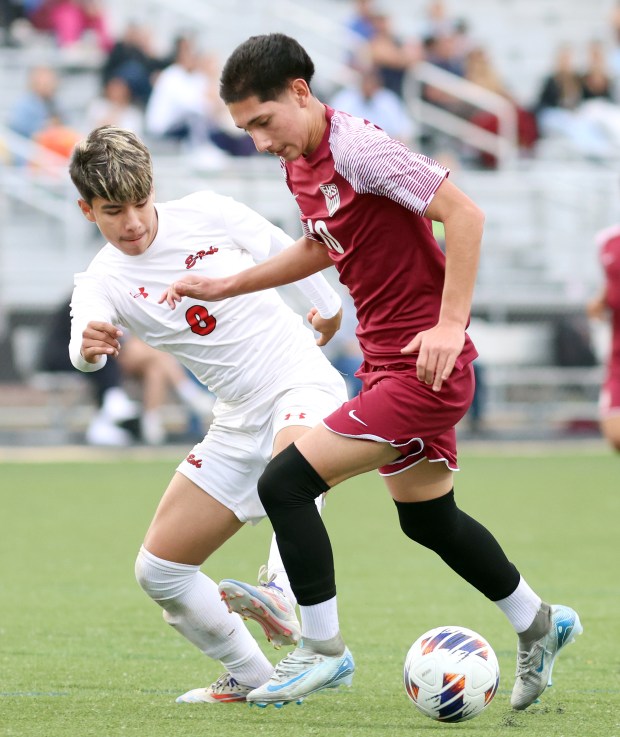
(521,606)
(320,621)
(192,605)
(275,566)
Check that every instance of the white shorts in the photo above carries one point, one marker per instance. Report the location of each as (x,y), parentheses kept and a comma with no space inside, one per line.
(229,461)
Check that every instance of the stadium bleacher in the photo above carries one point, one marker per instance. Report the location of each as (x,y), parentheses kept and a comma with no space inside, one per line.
(538,260)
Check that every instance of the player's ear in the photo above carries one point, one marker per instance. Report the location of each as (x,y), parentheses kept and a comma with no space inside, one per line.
(87,210)
(301,91)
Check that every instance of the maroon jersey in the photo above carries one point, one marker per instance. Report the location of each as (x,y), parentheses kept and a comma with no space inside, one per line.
(364,196)
(608,242)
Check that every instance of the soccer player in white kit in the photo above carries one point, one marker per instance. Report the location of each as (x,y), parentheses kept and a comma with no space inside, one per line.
(253,352)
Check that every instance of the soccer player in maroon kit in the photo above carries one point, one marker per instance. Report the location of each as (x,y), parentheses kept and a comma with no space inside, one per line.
(366,204)
(608,302)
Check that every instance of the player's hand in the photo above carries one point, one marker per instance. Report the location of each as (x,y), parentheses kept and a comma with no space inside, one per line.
(326,326)
(100,339)
(437,349)
(198,287)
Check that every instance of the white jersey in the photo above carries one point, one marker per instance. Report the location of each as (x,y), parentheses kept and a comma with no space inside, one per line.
(236,347)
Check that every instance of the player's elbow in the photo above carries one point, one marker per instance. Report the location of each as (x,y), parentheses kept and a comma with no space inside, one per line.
(475,216)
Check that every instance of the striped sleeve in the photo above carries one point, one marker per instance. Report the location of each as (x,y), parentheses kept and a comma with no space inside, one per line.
(374,163)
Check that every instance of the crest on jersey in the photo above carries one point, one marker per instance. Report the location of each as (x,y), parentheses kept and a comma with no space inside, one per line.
(332,197)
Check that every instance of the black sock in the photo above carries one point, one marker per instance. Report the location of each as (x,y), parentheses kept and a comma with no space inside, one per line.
(288,487)
(464,544)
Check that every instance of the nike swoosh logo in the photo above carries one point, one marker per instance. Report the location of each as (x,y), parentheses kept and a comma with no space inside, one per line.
(278,687)
(353,416)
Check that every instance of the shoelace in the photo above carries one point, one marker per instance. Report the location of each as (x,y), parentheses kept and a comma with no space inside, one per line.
(291,663)
(264,579)
(528,660)
(223,682)
(267,581)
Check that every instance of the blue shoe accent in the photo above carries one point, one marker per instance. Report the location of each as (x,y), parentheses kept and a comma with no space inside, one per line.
(535,661)
(302,673)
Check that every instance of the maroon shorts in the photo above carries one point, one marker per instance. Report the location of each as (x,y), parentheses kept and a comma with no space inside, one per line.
(395,407)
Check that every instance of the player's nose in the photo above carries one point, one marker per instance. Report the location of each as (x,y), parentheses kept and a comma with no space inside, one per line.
(262,142)
(132,220)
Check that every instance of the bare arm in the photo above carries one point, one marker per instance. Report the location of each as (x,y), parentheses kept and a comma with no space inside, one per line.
(597,307)
(439,347)
(303,258)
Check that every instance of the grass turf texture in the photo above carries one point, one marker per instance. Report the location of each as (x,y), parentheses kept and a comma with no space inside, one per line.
(84,652)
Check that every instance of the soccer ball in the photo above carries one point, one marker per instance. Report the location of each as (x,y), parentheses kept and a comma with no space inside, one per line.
(451,674)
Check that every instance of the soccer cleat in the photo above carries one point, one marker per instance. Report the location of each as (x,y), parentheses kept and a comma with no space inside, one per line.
(226,690)
(266,604)
(535,658)
(301,673)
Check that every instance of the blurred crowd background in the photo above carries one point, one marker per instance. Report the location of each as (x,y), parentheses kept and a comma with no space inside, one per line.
(521,98)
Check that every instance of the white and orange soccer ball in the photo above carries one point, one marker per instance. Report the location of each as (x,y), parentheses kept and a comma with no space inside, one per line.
(451,674)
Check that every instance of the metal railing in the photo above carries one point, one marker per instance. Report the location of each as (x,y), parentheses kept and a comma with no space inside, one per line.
(502,145)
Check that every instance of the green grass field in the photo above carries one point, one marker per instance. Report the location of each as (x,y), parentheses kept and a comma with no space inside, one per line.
(84,652)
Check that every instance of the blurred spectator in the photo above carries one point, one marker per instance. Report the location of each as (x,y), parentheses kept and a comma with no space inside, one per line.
(182,97)
(589,126)
(572,342)
(36,115)
(116,421)
(133,59)
(480,70)
(562,88)
(475,416)
(390,55)
(361,22)
(57,138)
(114,107)
(37,107)
(596,81)
(185,104)
(436,21)
(614,59)
(119,420)
(10,11)
(461,40)
(444,52)
(158,373)
(69,20)
(441,51)
(369,99)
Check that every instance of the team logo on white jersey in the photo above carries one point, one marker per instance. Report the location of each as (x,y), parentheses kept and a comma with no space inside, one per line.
(332,197)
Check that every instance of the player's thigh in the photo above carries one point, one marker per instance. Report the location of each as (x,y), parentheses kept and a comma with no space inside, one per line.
(337,457)
(298,410)
(189,524)
(426,480)
(286,436)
